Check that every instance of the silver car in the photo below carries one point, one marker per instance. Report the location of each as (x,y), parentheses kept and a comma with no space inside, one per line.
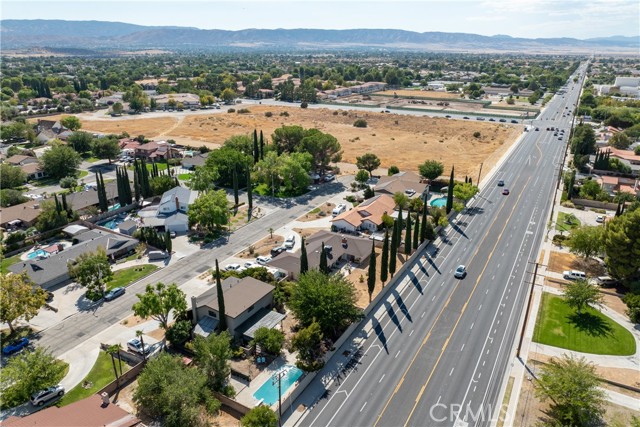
(39,398)
(461,272)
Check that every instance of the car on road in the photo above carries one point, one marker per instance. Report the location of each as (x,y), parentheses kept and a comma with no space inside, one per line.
(503,120)
(329,177)
(15,346)
(466,118)
(251,264)
(231,267)
(263,260)
(135,345)
(39,398)
(114,293)
(461,272)
(514,121)
(480,118)
(574,275)
(277,251)
(500,183)
(290,241)
(537,129)
(600,218)
(492,120)
(448,117)
(505,192)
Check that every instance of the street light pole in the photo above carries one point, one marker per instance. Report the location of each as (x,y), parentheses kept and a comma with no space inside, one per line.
(278,378)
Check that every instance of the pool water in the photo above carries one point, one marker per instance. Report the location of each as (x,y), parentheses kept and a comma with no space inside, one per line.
(37,253)
(439,202)
(113,223)
(268,392)
(114,207)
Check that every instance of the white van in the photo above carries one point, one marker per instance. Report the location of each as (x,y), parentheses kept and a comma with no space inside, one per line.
(339,209)
(574,275)
(153,255)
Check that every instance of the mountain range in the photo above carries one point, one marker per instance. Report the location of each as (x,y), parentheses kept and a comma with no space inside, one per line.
(100,36)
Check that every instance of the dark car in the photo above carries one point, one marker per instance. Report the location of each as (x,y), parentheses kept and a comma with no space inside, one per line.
(503,120)
(505,191)
(15,347)
(277,251)
(466,118)
(492,120)
(448,117)
(501,183)
(114,293)
(514,121)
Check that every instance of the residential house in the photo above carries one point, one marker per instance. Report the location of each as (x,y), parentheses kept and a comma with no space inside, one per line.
(52,271)
(47,130)
(172,100)
(194,160)
(89,412)
(367,216)
(20,160)
(24,214)
(408,183)
(28,164)
(83,200)
(339,248)
(615,184)
(247,304)
(265,93)
(128,227)
(171,213)
(157,150)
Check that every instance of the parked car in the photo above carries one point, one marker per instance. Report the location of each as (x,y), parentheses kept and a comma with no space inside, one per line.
(514,121)
(135,345)
(500,183)
(231,267)
(600,218)
(503,120)
(114,293)
(263,260)
(39,398)
(606,281)
(277,251)
(290,241)
(461,272)
(574,275)
(15,346)
(155,255)
(466,118)
(329,177)
(172,234)
(251,264)
(448,117)
(505,192)
(339,209)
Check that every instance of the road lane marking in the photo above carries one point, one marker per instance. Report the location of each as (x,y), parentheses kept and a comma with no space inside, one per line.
(365,404)
(379,381)
(462,347)
(397,354)
(450,373)
(472,325)
(411,333)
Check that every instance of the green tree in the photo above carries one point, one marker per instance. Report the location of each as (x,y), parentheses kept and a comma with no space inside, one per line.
(171,392)
(260,416)
(573,386)
(28,372)
(392,170)
(362,176)
(228,95)
(330,300)
(450,193)
(212,355)
(71,122)
(580,294)
(620,140)
(91,270)
(384,263)
(308,343)
(304,260)
(287,139)
(61,161)
(393,250)
(19,298)
(633,306)
(210,211)
(117,108)
(431,169)
(407,239)
(465,191)
(371,278)
(161,184)
(401,200)
(204,178)
(225,160)
(106,148)
(222,323)
(50,217)
(323,147)
(368,162)
(270,340)
(11,176)
(323,266)
(590,190)
(9,197)
(80,141)
(425,225)
(159,301)
(416,233)
(585,240)
(622,246)
(179,332)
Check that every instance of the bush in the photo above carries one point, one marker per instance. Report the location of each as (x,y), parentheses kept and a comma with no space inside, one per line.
(568,204)
(335,113)
(268,114)
(393,170)
(368,193)
(304,105)
(68,182)
(350,198)
(179,332)
(231,110)
(637,150)
(476,134)
(559,239)
(243,111)
(360,123)
(633,306)
(284,114)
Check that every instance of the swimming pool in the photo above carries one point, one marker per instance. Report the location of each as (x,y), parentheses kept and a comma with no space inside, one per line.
(37,253)
(114,207)
(268,392)
(439,202)
(112,223)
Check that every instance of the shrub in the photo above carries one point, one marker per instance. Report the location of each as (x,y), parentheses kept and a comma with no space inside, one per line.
(304,105)
(231,110)
(559,239)
(637,150)
(68,182)
(633,306)
(243,111)
(567,204)
(360,123)
(335,113)
(476,134)
(350,198)
(268,114)
(284,113)
(393,170)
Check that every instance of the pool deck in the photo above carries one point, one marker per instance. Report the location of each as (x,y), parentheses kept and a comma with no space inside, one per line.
(25,256)
(245,391)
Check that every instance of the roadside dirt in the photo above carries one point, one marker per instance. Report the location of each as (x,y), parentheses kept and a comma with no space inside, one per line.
(561,261)
(262,247)
(321,211)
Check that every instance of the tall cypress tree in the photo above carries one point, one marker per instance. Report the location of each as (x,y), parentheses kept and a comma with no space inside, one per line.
(101,188)
(371,280)
(399,221)
(249,192)
(393,253)
(256,148)
(407,238)
(236,195)
(324,267)
(450,193)
(122,196)
(168,244)
(136,184)
(261,145)
(384,262)
(416,233)
(304,261)
(222,322)
(423,229)
(59,208)
(127,186)
(65,206)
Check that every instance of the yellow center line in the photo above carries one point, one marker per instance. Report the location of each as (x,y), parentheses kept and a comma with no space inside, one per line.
(464,308)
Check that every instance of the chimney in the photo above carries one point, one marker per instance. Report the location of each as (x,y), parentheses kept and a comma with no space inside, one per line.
(194,306)
(105,398)
(177,204)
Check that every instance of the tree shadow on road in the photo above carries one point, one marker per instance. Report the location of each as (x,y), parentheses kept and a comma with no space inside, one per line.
(415,282)
(403,307)
(393,316)
(433,264)
(459,230)
(590,324)
(377,327)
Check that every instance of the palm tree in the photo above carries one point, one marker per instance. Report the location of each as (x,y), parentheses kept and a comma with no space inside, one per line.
(140,336)
(111,350)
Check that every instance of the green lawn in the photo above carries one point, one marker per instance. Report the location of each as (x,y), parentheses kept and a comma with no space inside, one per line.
(126,276)
(185,176)
(591,332)
(100,375)
(562,225)
(82,174)
(8,262)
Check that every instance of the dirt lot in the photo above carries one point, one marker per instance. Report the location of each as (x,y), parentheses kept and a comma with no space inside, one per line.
(561,261)
(263,247)
(405,141)
(424,93)
(531,411)
(317,213)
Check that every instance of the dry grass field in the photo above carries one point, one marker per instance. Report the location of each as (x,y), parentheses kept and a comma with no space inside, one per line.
(401,140)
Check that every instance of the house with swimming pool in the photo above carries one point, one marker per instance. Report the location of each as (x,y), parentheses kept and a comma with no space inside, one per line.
(409,183)
(367,216)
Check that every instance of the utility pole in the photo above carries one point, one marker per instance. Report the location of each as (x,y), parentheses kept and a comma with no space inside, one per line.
(479,172)
(526,315)
(278,377)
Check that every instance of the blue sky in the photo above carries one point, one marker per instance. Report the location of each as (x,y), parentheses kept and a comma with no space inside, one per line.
(518,18)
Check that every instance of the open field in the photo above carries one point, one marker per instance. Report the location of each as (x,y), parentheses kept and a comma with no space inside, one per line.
(405,141)
(424,93)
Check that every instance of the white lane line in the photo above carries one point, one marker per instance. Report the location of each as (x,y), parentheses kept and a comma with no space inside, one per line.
(365,404)
(411,333)
(480,307)
(434,297)
(472,325)
(397,354)
(379,381)
(451,371)
(462,348)
(423,313)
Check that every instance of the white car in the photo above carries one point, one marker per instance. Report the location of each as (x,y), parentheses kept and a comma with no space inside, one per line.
(135,345)
(39,398)
(290,241)
(339,209)
(251,264)
(329,177)
(263,260)
(574,275)
(600,218)
(232,267)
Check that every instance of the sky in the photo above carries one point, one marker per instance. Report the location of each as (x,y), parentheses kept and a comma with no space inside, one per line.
(517,18)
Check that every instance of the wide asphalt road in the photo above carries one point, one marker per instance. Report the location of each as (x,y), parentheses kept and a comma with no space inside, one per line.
(436,351)
(79,327)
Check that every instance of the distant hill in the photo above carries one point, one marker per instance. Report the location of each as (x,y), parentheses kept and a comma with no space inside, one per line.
(99,35)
